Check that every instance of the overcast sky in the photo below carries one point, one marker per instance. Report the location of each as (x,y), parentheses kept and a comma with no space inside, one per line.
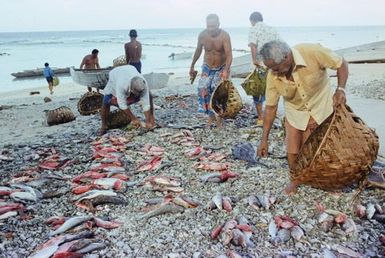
(49,15)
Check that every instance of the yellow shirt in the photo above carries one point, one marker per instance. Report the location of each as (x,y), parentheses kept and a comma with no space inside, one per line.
(310,93)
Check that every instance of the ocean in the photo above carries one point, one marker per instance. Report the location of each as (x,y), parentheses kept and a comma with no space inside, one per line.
(28,50)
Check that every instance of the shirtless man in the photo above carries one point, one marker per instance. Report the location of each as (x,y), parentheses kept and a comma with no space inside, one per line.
(216,65)
(91,62)
(133,50)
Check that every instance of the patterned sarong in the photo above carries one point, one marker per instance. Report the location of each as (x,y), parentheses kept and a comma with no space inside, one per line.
(210,79)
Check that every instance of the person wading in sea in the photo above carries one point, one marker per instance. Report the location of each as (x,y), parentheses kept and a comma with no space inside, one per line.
(216,64)
(133,50)
(91,62)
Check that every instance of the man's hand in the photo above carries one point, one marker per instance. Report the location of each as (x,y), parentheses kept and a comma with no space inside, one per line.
(263,148)
(136,122)
(192,72)
(225,75)
(339,98)
(256,63)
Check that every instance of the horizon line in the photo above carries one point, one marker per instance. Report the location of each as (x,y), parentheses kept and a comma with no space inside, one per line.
(178,28)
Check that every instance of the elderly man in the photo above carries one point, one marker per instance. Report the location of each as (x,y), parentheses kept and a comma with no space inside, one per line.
(299,74)
(259,34)
(127,86)
(216,64)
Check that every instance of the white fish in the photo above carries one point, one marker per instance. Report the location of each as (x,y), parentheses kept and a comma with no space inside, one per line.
(370,210)
(296,232)
(217,199)
(24,196)
(8,215)
(94,193)
(70,223)
(46,252)
(106,182)
(273,230)
(349,226)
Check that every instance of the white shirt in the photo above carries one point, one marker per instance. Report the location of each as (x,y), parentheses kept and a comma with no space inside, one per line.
(119,85)
(260,34)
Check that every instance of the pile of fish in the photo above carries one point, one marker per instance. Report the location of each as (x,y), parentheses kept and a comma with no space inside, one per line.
(371,211)
(235,231)
(221,203)
(329,219)
(163,184)
(282,228)
(261,201)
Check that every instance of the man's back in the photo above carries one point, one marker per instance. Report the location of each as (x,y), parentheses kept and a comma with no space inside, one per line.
(133,51)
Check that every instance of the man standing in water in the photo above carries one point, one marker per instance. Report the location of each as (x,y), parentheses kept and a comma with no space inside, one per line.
(133,50)
(91,62)
(216,64)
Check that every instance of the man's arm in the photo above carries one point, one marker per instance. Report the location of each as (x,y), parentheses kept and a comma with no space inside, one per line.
(82,63)
(253,49)
(228,55)
(339,97)
(97,63)
(140,50)
(268,119)
(197,54)
(127,52)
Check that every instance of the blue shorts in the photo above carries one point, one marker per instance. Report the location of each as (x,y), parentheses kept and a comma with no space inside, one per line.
(259,99)
(109,100)
(137,65)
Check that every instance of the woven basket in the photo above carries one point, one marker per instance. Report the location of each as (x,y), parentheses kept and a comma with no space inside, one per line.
(117,119)
(255,83)
(90,103)
(59,116)
(338,153)
(225,100)
(120,60)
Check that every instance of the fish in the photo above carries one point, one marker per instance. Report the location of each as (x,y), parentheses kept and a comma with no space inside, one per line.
(273,229)
(226,202)
(107,199)
(55,220)
(239,238)
(70,223)
(67,255)
(209,177)
(211,166)
(150,164)
(47,249)
(217,199)
(109,183)
(360,210)
(283,236)
(24,196)
(245,151)
(216,232)
(29,189)
(349,226)
(185,202)
(340,218)
(94,193)
(165,180)
(296,232)
(233,254)
(254,202)
(226,174)
(11,207)
(370,211)
(8,214)
(92,247)
(163,209)
(107,224)
(114,169)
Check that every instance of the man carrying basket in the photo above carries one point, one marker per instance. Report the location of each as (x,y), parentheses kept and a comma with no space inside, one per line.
(299,74)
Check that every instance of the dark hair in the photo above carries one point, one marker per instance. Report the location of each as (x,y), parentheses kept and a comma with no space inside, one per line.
(133,33)
(46,64)
(95,51)
(256,17)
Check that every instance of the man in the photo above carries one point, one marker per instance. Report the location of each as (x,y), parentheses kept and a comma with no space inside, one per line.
(216,64)
(299,74)
(259,34)
(133,50)
(127,86)
(48,74)
(91,62)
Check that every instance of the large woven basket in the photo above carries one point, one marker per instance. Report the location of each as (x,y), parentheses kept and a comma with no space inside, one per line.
(255,83)
(120,60)
(225,100)
(59,116)
(338,153)
(90,103)
(117,119)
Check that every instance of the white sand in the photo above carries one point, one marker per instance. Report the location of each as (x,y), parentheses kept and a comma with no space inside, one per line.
(25,121)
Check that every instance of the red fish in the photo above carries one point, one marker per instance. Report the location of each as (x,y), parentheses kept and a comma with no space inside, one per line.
(226,174)
(68,255)
(151,164)
(216,231)
(107,224)
(11,207)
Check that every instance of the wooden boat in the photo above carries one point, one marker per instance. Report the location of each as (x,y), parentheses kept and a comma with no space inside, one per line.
(366,53)
(99,78)
(39,72)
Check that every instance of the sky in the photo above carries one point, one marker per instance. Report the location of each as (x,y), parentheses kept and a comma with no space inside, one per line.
(58,15)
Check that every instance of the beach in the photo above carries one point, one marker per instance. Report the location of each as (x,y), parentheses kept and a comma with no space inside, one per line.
(27,141)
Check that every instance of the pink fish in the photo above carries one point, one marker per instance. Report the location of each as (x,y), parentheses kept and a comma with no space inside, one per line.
(194,152)
(227,174)
(214,166)
(216,232)
(11,207)
(107,224)
(56,221)
(121,177)
(151,164)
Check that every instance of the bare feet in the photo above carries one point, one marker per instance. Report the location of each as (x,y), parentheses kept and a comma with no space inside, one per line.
(102,131)
(219,122)
(291,189)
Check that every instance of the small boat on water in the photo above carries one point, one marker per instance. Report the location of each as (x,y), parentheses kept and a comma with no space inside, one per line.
(98,78)
(39,72)
(181,56)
